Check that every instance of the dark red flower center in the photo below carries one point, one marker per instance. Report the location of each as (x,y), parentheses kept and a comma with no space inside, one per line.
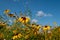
(24,18)
(32,24)
(37,25)
(45,26)
(6,10)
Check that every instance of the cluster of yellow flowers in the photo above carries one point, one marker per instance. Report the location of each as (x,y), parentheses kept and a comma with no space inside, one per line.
(37,27)
(22,28)
(17,36)
(7,12)
(24,19)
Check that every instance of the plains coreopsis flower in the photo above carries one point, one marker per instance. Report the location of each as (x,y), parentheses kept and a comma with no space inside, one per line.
(14,37)
(38,27)
(6,11)
(10,15)
(46,28)
(33,25)
(2,24)
(24,19)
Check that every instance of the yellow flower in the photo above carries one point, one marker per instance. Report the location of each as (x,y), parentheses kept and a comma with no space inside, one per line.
(11,15)
(19,35)
(38,27)
(2,24)
(33,25)
(24,19)
(7,11)
(46,28)
(14,37)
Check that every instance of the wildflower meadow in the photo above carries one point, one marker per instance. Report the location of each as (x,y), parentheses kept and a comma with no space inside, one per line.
(29,19)
(23,29)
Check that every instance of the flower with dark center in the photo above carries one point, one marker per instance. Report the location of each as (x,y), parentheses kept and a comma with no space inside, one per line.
(7,11)
(37,25)
(24,19)
(11,15)
(32,24)
(45,26)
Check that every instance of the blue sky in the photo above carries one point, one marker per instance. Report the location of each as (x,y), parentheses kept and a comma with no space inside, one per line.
(48,9)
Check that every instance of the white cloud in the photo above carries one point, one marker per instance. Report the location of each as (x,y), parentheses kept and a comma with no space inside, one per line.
(41,14)
(34,21)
